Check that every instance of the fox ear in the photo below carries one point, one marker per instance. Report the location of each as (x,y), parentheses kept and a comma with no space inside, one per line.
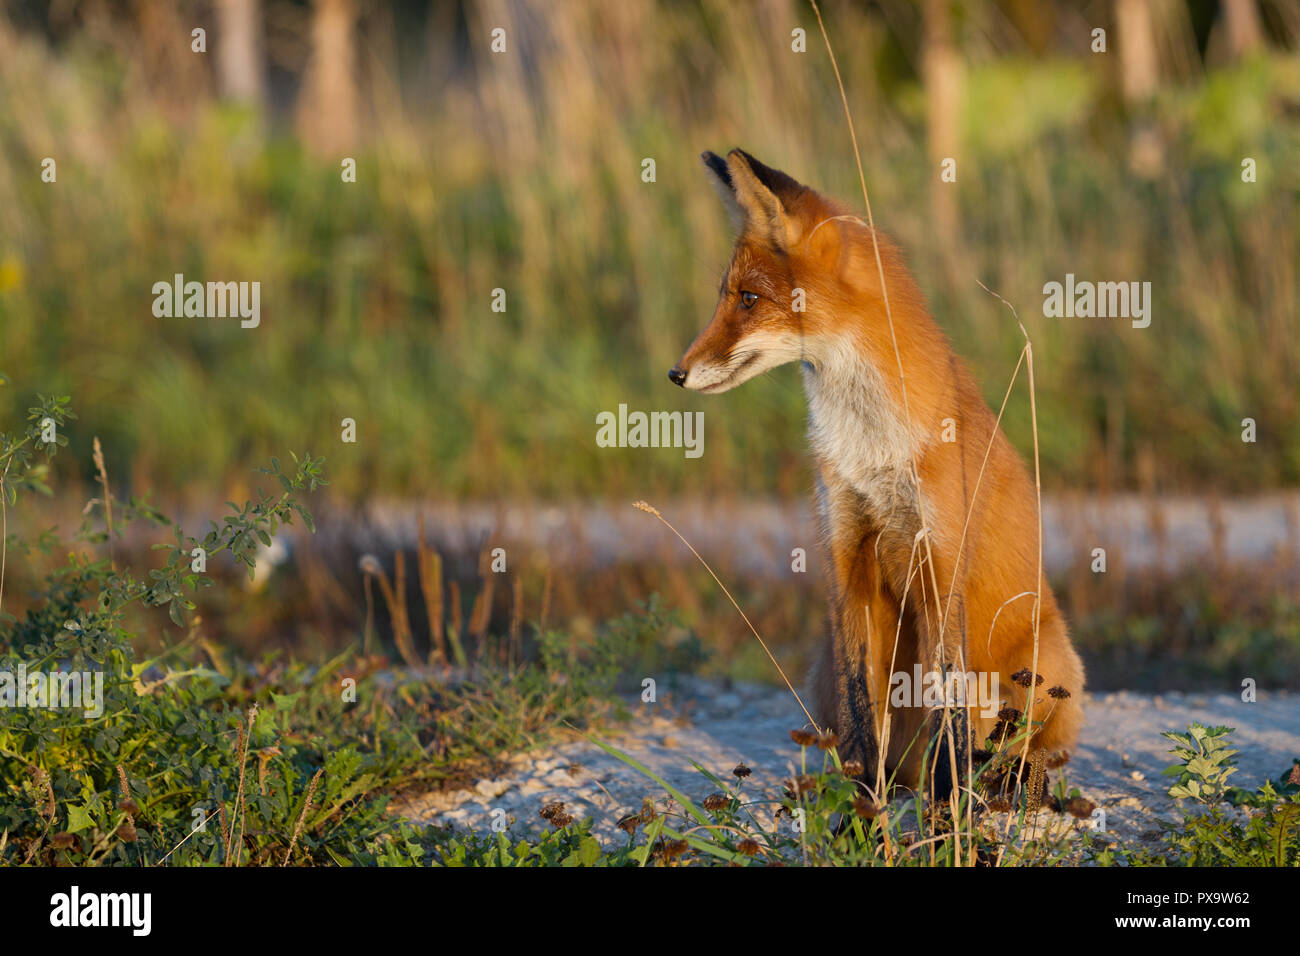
(765,195)
(720,176)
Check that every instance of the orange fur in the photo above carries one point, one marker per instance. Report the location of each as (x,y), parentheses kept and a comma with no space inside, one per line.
(890,585)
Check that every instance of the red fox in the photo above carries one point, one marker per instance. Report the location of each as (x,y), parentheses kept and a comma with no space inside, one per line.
(900,433)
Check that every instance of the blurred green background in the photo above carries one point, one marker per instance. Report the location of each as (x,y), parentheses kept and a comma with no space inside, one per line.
(522,171)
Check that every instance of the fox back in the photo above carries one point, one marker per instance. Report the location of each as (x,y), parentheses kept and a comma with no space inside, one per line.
(929,517)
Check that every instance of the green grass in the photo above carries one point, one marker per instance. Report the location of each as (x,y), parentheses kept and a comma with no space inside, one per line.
(196,757)
(376,295)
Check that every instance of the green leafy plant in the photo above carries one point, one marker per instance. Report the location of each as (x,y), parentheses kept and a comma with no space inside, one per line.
(1229,826)
(193,758)
(1205,764)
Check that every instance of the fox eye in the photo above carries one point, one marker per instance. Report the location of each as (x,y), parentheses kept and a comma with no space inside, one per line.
(747,299)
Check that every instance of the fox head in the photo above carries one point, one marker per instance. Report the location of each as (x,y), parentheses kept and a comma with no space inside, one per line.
(790,246)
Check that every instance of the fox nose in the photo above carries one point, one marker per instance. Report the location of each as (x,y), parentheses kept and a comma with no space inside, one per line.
(677,375)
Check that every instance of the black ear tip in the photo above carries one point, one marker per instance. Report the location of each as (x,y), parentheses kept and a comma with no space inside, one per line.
(718,165)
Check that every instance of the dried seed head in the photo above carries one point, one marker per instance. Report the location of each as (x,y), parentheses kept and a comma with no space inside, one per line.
(804,738)
(715,801)
(42,781)
(798,786)
(1008,715)
(827,740)
(126,832)
(128,806)
(991,777)
(629,823)
(1002,732)
(1000,805)
(63,841)
(1080,808)
(853,768)
(549,811)
(1058,759)
(865,808)
(741,771)
(1058,693)
(1026,678)
(369,564)
(648,811)
(561,820)
(1294,776)
(748,847)
(675,848)
(1022,677)
(1037,779)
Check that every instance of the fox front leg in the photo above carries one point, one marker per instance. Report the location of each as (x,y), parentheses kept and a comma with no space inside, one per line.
(855,717)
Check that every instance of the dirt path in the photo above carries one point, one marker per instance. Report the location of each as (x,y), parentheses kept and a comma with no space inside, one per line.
(1118,764)
(756,536)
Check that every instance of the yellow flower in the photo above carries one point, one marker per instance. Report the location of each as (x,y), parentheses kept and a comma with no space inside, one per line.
(11,274)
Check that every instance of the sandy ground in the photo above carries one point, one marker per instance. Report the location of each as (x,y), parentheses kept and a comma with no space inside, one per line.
(1118,764)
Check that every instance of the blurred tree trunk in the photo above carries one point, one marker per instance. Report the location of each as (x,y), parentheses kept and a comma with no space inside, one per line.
(327,107)
(157,40)
(1245,33)
(1139,65)
(942,70)
(240,74)
(1034,21)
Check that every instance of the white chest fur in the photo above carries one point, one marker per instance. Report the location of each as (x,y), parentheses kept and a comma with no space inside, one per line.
(855,429)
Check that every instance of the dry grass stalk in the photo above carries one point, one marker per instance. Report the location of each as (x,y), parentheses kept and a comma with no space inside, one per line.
(198,828)
(395,601)
(430,571)
(224,820)
(651,510)
(302,817)
(102,474)
(546,601)
(516,632)
(457,613)
(402,622)
(370,616)
(480,614)
(234,841)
